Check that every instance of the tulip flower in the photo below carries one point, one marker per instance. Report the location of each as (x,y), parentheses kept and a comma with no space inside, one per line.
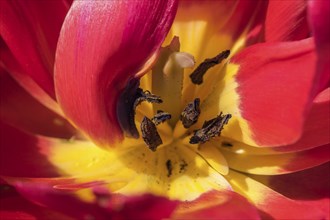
(165,109)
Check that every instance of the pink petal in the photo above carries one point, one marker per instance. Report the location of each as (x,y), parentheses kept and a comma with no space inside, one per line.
(12,67)
(286,21)
(30,30)
(319,19)
(102,45)
(276,84)
(14,206)
(19,109)
(220,205)
(105,205)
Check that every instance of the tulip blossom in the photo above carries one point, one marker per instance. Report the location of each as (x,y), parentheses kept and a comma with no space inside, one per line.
(165,109)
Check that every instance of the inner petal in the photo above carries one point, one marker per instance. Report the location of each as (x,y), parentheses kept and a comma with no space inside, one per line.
(174,171)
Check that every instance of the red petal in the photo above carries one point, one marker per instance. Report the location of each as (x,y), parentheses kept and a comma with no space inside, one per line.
(21,110)
(13,206)
(102,45)
(30,29)
(247,16)
(217,205)
(286,21)
(21,154)
(317,125)
(276,84)
(319,19)
(273,205)
(309,187)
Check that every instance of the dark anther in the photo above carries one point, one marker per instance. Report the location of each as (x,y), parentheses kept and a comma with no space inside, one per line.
(210,129)
(169,168)
(160,117)
(226,144)
(190,114)
(150,134)
(130,98)
(197,75)
(146,96)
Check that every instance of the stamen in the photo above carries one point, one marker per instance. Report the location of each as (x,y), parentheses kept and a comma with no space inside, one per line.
(197,75)
(169,168)
(160,117)
(146,96)
(190,114)
(210,129)
(130,98)
(150,134)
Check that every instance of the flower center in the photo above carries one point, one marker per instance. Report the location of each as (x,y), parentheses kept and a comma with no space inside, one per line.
(174,147)
(133,96)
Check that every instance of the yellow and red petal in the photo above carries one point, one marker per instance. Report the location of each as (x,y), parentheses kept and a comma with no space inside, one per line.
(273,205)
(217,205)
(22,154)
(319,19)
(21,110)
(275,91)
(278,163)
(101,47)
(315,132)
(286,21)
(30,30)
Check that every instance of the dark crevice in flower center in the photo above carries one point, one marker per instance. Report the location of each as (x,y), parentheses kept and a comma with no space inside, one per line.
(130,98)
(189,115)
(169,168)
(210,129)
(197,75)
(226,144)
(150,134)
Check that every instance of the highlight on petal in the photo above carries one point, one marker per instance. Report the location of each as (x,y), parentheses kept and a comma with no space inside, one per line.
(21,110)
(286,21)
(217,205)
(319,19)
(30,30)
(101,47)
(276,115)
